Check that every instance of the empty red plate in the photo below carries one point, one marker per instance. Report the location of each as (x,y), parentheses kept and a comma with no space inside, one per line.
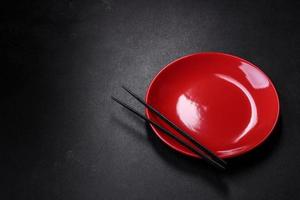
(225,102)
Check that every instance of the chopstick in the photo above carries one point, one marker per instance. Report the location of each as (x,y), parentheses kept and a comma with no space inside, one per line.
(193,149)
(189,137)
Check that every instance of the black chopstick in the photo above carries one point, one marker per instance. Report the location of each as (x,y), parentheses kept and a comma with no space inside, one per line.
(193,149)
(189,137)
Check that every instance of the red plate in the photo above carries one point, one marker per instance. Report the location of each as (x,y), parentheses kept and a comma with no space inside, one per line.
(225,102)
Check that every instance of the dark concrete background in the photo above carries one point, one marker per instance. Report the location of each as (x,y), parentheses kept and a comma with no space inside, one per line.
(63,138)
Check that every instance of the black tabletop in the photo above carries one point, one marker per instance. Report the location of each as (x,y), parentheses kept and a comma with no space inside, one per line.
(63,138)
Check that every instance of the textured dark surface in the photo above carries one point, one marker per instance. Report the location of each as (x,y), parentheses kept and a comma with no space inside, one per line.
(63,138)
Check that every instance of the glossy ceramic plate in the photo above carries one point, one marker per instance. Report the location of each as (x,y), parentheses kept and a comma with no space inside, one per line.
(225,102)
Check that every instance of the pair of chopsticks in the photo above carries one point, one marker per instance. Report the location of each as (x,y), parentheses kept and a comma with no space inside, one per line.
(202,151)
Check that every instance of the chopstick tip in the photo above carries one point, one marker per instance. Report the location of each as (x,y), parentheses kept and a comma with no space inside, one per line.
(113,98)
(124,87)
(222,167)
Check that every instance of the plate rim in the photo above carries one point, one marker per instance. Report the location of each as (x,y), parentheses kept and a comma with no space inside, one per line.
(242,152)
